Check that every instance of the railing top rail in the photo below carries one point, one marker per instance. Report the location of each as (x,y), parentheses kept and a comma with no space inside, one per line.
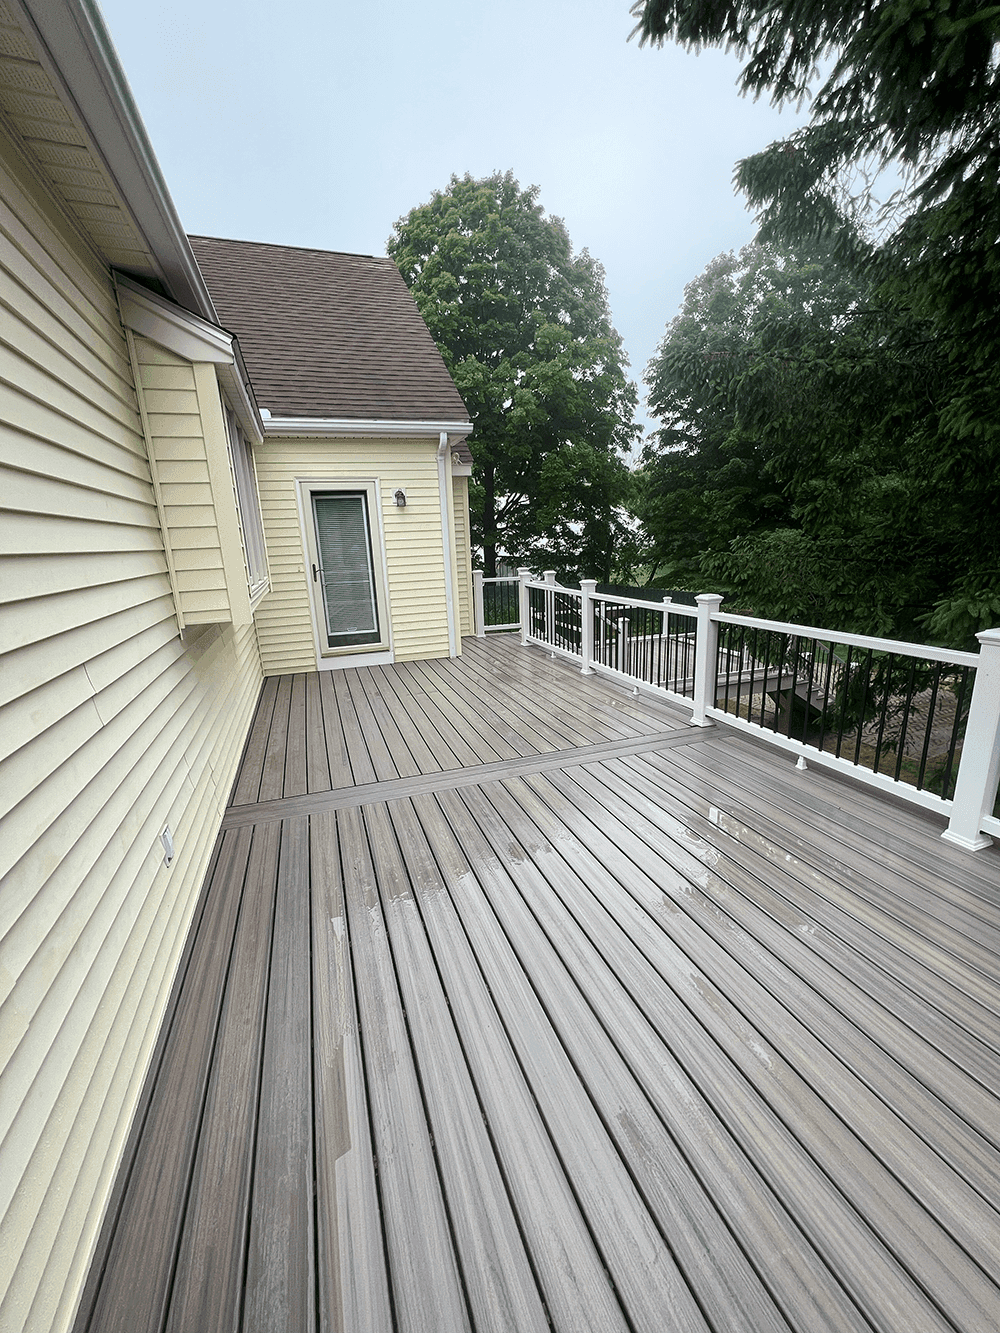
(954,656)
(552,587)
(680,608)
(502,578)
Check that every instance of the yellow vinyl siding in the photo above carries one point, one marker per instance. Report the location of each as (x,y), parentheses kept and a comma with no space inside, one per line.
(190,455)
(413,549)
(463,555)
(112,726)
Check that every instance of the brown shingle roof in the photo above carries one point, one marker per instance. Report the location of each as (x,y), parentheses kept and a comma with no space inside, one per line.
(329,335)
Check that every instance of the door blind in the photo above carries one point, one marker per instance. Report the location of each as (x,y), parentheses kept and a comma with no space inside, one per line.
(344,547)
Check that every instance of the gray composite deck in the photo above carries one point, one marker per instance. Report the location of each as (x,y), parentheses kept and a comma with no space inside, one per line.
(516,1003)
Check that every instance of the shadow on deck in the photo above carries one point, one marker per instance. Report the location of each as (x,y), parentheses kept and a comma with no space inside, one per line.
(514,1003)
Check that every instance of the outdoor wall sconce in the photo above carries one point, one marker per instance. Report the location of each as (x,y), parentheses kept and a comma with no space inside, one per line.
(167,842)
(400,498)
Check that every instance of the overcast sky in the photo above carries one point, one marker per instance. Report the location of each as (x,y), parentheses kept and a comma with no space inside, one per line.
(320,123)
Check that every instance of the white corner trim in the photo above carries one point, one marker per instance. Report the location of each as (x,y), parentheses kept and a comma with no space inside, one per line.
(175,329)
(347,427)
(443,459)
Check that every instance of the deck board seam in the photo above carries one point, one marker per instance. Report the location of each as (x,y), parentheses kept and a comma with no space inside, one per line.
(472,775)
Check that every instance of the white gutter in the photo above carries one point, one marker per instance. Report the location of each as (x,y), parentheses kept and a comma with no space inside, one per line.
(80,59)
(367,427)
(446,538)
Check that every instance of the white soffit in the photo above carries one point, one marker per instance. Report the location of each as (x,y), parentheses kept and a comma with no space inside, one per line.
(76,54)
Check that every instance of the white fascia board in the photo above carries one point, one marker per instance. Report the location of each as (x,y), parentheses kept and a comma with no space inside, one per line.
(351,428)
(81,60)
(172,327)
(461,469)
(194,339)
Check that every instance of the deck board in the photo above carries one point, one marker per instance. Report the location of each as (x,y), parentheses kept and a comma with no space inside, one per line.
(218,1208)
(515,1003)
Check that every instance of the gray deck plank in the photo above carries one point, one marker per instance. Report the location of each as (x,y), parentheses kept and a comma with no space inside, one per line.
(406,718)
(966,994)
(295,782)
(576,914)
(867,938)
(394,726)
(388,762)
(426,1282)
(317,763)
(342,797)
(826,1006)
(504,741)
(466,749)
(542,696)
(642,1267)
(851,1169)
(592,693)
(353,1281)
(900,841)
(496,1271)
(133,1296)
(206,1297)
(358,757)
(272,778)
(717,1272)
(402,696)
(280,1277)
(941,1054)
(573,1016)
(570,1270)
(247,786)
(336,740)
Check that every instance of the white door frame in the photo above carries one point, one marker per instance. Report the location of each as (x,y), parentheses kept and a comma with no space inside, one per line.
(328,659)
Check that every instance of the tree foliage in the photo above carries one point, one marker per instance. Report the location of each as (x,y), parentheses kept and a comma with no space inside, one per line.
(788,468)
(524,327)
(913,87)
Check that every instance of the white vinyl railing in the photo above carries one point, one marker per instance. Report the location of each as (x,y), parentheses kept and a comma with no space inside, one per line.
(919,721)
(496,603)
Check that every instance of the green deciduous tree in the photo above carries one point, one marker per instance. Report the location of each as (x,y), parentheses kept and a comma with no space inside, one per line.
(912,87)
(524,327)
(791,465)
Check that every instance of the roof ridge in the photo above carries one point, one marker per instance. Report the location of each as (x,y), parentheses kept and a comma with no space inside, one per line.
(279,245)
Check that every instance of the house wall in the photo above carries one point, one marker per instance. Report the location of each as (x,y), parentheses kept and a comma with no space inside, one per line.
(183,415)
(463,555)
(112,726)
(413,546)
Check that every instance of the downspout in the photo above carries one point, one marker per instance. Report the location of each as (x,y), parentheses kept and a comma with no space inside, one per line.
(447,543)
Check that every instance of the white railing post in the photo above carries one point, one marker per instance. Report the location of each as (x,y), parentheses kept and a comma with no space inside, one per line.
(587,589)
(549,576)
(624,641)
(479,603)
(705,652)
(979,766)
(522,600)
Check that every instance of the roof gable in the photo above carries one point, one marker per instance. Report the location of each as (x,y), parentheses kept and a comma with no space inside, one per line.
(326,334)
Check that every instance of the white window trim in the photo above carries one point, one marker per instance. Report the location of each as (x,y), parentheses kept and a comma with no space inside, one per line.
(248,508)
(330,659)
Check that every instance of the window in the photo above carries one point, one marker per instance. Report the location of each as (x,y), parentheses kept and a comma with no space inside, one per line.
(346,568)
(248,503)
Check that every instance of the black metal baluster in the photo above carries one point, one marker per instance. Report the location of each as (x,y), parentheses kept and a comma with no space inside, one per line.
(928,725)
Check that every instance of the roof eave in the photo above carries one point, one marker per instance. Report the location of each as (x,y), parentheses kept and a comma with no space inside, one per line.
(81,61)
(369,428)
